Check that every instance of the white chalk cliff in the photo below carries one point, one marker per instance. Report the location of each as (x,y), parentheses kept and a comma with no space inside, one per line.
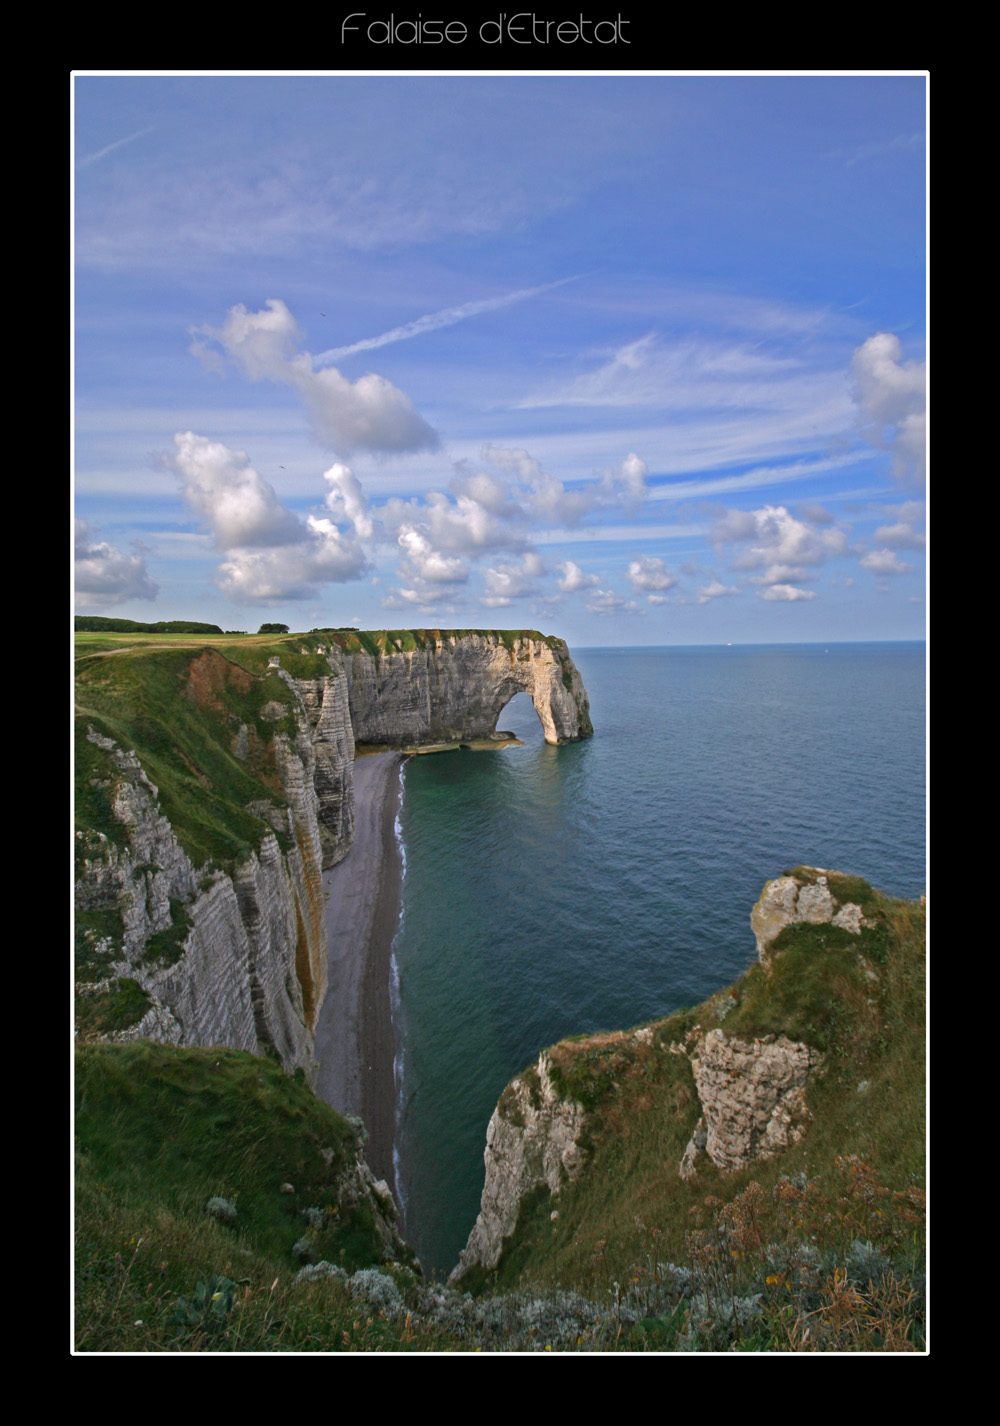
(248,967)
(751,1092)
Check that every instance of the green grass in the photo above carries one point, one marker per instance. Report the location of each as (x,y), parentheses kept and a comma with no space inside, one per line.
(159,1132)
(120,1006)
(181,710)
(858,1000)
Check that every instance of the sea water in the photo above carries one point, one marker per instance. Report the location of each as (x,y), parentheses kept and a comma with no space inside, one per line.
(551,891)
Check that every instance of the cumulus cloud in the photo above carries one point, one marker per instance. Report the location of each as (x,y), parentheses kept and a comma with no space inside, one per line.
(773,540)
(494,511)
(627,484)
(786,593)
(884,561)
(272,555)
(903,534)
(649,574)
(541,494)
(715,590)
(608,601)
(542,497)
(368,414)
(507,582)
(891,398)
(423,562)
(347,501)
(106,576)
(240,507)
(573,578)
(291,571)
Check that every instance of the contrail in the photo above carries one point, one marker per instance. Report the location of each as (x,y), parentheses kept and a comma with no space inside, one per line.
(92,158)
(446,318)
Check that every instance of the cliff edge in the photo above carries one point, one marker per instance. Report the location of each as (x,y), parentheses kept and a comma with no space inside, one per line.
(679,1106)
(214,784)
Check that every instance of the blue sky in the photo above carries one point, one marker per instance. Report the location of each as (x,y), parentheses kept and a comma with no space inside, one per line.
(635,359)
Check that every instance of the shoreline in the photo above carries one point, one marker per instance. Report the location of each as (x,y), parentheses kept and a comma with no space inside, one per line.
(354,1037)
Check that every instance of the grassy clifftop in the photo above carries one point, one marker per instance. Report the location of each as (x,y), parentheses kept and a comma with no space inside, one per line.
(215,1166)
(818,1248)
(857,1173)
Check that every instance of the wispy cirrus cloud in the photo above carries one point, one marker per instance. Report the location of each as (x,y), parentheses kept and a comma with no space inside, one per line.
(434,321)
(110,148)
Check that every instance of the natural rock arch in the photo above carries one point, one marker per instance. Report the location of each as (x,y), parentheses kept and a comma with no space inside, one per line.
(454,688)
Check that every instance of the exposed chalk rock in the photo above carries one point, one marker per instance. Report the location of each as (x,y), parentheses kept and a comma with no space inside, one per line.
(455,689)
(531,1140)
(789,900)
(249,954)
(752,1094)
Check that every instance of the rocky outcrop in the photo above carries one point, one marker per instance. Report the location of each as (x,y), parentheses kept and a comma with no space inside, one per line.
(453,688)
(752,1095)
(325,704)
(531,1141)
(805,897)
(225,959)
(239,957)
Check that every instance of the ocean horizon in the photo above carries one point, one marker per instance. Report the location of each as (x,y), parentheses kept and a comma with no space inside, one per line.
(551,891)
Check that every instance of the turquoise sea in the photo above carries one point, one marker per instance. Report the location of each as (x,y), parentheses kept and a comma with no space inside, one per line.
(552,891)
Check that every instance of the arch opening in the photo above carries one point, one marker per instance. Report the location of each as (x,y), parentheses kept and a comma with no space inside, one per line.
(520,717)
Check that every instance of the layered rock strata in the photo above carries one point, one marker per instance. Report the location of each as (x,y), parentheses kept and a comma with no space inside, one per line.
(752,1095)
(247,943)
(454,688)
(248,961)
(751,1092)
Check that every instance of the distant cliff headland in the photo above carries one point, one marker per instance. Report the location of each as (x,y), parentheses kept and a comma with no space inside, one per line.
(214,782)
(745,1175)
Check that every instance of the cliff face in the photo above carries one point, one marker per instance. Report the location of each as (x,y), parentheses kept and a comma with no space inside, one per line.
(236,954)
(750,1088)
(229,959)
(531,1140)
(454,687)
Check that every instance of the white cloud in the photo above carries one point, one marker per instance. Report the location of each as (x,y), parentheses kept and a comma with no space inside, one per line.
(507,582)
(110,148)
(423,562)
(772,538)
(241,508)
(903,534)
(347,501)
(573,578)
(715,590)
(608,601)
(368,414)
(646,572)
(891,398)
(106,576)
(435,320)
(884,561)
(786,593)
(291,571)
(272,555)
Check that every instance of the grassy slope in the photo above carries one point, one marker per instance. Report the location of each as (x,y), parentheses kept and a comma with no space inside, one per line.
(161,1131)
(148,1161)
(861,1002)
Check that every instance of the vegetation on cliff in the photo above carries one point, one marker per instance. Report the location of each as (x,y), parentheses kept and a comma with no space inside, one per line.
(843,1201)
(819,1248)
